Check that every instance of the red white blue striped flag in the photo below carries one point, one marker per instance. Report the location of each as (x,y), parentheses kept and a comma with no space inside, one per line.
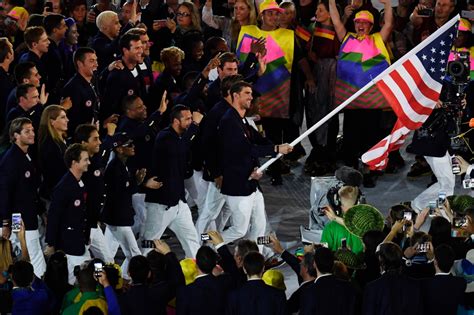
(412,86)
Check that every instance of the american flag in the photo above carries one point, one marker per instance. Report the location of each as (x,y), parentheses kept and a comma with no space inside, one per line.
(412,86)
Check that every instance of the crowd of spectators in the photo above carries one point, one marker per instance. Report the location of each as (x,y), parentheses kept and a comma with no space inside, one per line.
(115,115)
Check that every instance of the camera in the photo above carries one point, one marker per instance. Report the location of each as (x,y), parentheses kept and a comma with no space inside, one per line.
(468,183)
(427,12)
(205,237)
(432,207)
(263,240)
(459,222)
(148,244)
(98,268)
(459,68)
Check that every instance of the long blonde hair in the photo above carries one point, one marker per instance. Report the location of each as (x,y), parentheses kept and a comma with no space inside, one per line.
(46,129)
(252,19)
(195,17)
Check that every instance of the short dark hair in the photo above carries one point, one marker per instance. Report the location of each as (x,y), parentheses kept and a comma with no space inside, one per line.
(397,211)
(138,269)
(22,90)
(206,259)
(73,153)
(176,112)
(85,278)
(324,259)
(128,101)
(22,273)
(23,71)
(157,263)
(5,48)
(440,231)
(238,87)
(254,263)
(137,31)
(83,132)
(33,34)
(444,256)
(227,57)
(227,83)
(390,256)
(51,22)
(246,246)
(16,126)
(308,262)
(80,54)
(126,39)
(35,20)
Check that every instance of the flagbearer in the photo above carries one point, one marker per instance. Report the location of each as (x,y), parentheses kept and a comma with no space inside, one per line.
(362,56)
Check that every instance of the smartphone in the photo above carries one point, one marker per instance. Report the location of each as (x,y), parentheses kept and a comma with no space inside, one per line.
(459,222)
(441,199)
(148,244)
(205,237)
(343,243)
(98,268)
(161,23)
(432,207)
(16,222)
(427,12)
(263,240)
(321,211)
(423,248)
(49,6)
(407,215)
(455,166)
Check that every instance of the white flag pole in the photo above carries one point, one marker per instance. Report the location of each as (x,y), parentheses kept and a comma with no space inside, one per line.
(336,110)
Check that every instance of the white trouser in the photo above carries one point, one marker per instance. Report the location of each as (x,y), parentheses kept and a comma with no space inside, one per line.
(73,260)
(441,167)
(178,218)
(248,217)
(196,187)
(138,203)
(123,236)
(34,250)
(214,203)
(99,246)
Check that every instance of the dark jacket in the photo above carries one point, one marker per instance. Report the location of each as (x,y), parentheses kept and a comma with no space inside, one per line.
(170,157)
(393,294)
(240,146)
(19,181)
(94,182)
(328,295)
(67,227)
(255,297)
(120,185)
(51,161)
(453,294)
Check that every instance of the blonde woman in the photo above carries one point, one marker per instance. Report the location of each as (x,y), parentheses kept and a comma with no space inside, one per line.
(187,19)
(51,147)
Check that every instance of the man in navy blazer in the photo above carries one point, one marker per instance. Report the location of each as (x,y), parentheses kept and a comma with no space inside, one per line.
(452,287)
(207,294)
(255,297)
(328,294)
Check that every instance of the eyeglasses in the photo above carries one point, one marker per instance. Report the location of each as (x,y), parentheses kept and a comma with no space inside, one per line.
(183,14)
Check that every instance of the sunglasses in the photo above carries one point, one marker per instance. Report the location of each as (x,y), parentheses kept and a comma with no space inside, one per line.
(183,14)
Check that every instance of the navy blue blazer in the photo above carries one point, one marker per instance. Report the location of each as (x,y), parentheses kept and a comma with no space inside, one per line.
(206,295)
(452,289)
(393,294)
(67,227)
(240,146)
(169,164)
(95,187)
(328,295)
(120,185)
(256,298)
(19,183)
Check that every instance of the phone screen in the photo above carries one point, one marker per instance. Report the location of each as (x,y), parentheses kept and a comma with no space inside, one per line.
(407,215)
(344,243)
(263,240)
(16,222)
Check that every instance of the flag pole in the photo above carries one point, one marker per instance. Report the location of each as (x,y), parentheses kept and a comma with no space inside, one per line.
(336,110)
(318,124)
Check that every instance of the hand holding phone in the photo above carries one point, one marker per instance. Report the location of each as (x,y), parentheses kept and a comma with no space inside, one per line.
(16,222)
(98,268)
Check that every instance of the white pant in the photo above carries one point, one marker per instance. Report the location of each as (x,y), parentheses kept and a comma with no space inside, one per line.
(178,219)
(34,250)
(441,167)
(248,217)
(213,205)
(99,247)
(197,189)
(138,203)
(73,260)
(122,236)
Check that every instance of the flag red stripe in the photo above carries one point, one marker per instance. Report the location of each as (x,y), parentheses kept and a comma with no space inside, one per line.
(420,83)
